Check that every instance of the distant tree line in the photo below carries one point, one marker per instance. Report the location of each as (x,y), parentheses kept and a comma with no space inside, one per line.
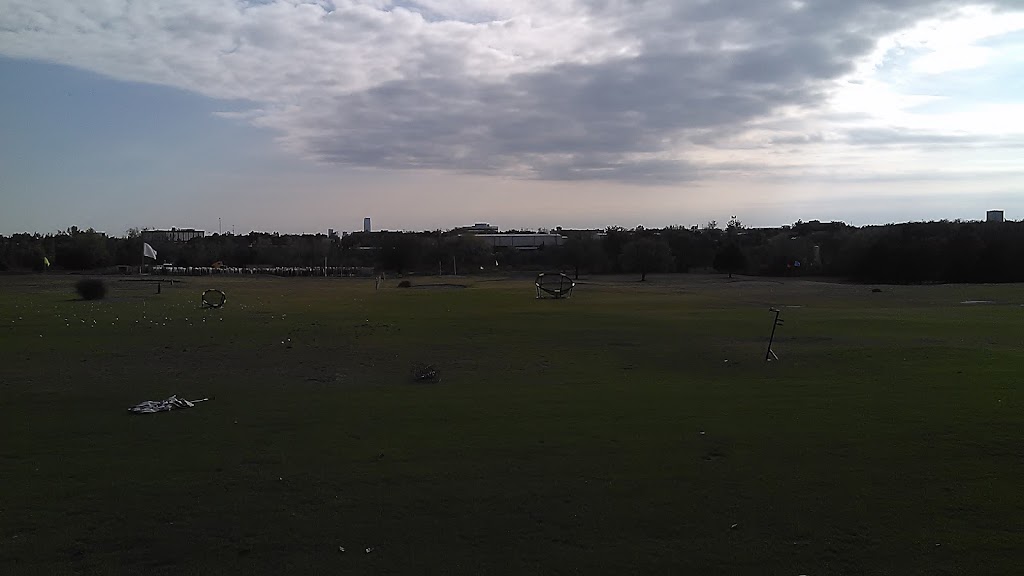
(900,253)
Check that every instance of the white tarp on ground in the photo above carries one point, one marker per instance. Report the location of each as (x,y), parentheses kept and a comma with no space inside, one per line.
(172,403)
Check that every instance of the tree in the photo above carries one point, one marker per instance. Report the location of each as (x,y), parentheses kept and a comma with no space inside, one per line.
(730,259)
(581,251)
(77,250)
(734,226)
(469,252)
(645,255)
(614,239)
(684,247)
(402,251)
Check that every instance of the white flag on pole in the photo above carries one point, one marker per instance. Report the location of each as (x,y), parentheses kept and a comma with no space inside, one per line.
(147,251)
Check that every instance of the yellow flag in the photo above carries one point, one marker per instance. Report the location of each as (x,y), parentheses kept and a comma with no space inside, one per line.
(46,261)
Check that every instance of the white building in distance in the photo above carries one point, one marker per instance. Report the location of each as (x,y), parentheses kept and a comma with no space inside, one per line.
(172,235)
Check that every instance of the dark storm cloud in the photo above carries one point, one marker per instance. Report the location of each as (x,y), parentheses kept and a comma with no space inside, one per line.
(705,67)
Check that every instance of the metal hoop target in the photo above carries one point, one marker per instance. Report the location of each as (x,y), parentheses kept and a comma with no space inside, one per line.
(214,298)
(556,286)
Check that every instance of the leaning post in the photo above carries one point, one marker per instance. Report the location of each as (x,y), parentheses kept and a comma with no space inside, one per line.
(770,354)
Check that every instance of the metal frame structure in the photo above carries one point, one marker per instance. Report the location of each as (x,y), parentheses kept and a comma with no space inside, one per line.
(564,290)
(211,303)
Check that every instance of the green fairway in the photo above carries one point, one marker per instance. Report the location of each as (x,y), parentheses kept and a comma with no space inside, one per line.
(633,428)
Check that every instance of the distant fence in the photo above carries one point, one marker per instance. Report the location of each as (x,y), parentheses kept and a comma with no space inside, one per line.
(289,271)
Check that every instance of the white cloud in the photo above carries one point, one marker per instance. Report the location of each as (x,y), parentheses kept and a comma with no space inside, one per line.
(951,44)
(623,90)
(269,51)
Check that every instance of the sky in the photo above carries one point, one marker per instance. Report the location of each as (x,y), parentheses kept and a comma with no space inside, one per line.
(281,115)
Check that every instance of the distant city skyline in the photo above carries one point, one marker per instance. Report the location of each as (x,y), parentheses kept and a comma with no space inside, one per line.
(988,216)
(304,116)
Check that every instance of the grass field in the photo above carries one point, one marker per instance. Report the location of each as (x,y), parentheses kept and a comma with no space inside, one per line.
(634,429)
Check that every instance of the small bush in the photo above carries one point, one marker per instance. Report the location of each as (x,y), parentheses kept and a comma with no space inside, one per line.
(405,284)
(91,288)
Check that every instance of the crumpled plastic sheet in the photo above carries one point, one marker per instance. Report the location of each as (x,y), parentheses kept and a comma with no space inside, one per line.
(172,403)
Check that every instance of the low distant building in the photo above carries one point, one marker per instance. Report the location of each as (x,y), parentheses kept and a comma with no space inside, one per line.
(172,235)
(521,241)
(479,228)
(591,233)
(994,216)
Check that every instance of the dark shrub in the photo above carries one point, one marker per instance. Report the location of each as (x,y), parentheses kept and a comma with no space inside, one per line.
(405,284)
(91,288)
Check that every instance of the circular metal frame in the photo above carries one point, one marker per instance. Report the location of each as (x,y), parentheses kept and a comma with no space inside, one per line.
(217,301)
(547,287)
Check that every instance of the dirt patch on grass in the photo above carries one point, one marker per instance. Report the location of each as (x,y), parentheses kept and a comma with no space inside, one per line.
(440,286)
(805,339)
